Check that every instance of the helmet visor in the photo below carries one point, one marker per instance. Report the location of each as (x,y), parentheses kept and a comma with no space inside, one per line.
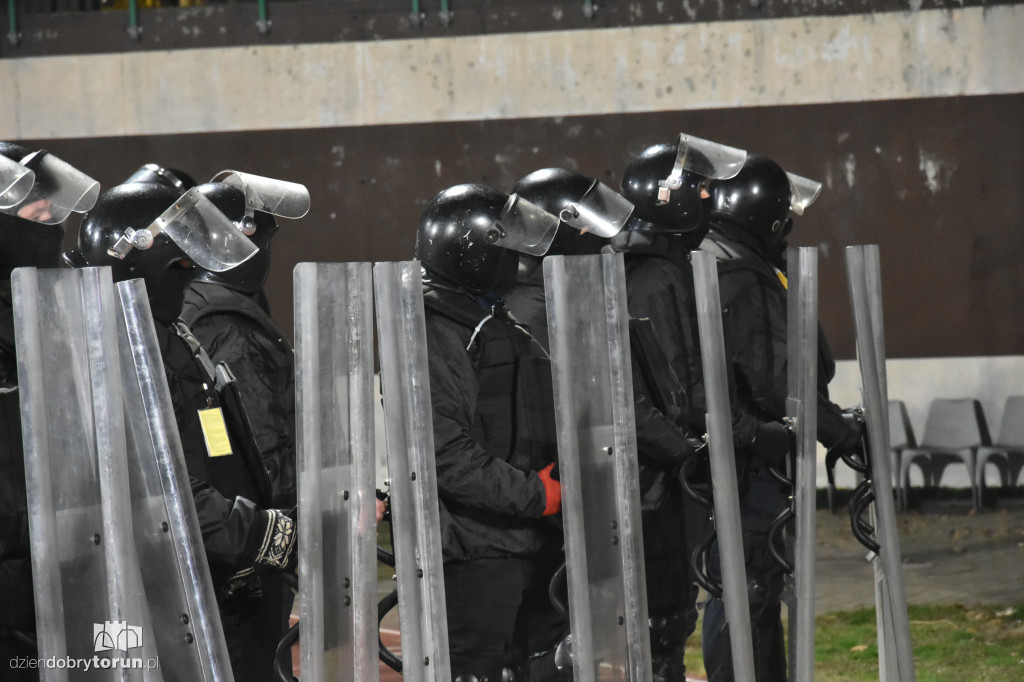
(705,158)
(207,236)
(803,192)
(15,182)
(59,190)
(601,210)
(279,197)
(523,227)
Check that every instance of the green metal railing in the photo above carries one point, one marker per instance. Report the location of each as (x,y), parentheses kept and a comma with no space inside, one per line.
(134,30)
(13,37)
(263,23)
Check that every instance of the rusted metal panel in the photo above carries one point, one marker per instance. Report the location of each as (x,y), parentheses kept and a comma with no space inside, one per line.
(935,182)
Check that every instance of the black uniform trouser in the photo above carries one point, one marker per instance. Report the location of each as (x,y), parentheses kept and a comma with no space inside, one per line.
(499,614)
(672,594)
(17,618)
(761,501)
(253,627)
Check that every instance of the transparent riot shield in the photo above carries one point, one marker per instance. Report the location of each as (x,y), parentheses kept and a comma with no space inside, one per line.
(88,591)
(723,463)
(179,591)
(336,476)
(802,413)
(588,327)
(405,385)
(895,651)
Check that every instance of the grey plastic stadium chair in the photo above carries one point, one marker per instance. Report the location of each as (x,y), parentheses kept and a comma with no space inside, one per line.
(1007,452)
(901,437)
(953,432)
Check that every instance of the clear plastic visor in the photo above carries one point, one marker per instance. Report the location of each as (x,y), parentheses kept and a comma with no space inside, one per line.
(207,236)
(705,158)
(279,197)
(524,227)
(15,182)
(59,190)
(602,211)
(803,192)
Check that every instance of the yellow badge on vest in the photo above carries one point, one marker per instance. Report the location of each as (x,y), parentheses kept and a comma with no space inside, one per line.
(782,278)
(215,431)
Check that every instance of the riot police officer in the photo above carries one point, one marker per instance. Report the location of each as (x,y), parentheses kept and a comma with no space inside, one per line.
(749,216)
(228,312)
(244,536)
(36,195)
(662,445)
(668,183)
(494,437)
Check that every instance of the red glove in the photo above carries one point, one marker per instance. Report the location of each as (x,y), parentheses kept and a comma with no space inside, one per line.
(552,491)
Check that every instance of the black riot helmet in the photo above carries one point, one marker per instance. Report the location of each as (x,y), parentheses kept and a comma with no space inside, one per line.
(589,211)
(24,242)
(666,181)
(757,200)
(471,235)
(162,175)
(683,213)
(163,266)
(250,276)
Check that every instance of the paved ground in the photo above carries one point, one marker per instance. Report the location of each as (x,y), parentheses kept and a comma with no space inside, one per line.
(950,556)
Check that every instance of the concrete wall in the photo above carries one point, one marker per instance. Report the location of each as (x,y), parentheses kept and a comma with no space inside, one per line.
(675,67)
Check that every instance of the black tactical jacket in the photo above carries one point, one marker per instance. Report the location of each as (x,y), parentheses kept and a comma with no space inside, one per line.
(659,286)
(240,537)
(661,443)
(493,430)
(13,505)
(754,320)
(235,329)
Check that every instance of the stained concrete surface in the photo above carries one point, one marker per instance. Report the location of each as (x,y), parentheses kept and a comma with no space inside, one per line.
(950,556)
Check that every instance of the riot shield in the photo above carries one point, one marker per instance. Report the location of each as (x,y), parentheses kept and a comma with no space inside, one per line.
(895,651)
(405,384)
(336,477)
(88,591)
(593,389)
(179,591)
(723,463)
(802,416)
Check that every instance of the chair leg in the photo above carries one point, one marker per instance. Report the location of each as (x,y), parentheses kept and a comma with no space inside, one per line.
(977,482)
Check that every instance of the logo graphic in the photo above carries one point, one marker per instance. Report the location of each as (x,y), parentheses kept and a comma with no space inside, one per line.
(108,636)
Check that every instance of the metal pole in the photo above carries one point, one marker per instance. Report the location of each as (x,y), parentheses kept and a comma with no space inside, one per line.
(446,13)
(723,464)
(416,16)
(589,8)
